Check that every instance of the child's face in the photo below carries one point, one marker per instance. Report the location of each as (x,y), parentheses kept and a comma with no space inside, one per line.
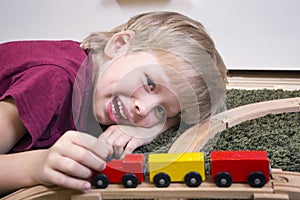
(134,90)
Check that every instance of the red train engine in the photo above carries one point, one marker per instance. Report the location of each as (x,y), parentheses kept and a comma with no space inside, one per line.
(128,171)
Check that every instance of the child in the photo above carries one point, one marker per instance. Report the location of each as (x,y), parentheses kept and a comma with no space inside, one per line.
(155,71)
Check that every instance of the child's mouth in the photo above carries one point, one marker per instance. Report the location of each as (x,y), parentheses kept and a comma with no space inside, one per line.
(118,109)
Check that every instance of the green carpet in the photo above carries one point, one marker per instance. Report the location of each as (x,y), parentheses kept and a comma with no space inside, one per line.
(278,134)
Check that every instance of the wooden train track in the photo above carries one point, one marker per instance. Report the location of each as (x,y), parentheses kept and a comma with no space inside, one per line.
(283,186)
(196,137)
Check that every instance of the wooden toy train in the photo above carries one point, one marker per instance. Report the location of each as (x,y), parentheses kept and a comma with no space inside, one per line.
(226,167)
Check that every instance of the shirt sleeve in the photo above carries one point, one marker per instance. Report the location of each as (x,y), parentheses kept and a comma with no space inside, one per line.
(40,94)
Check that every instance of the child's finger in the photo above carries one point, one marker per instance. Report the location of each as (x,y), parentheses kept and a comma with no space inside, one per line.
(113,137)
(133,144)
(73,168)
(121,141)
(105,134)
(60,179)
(119,146)
(100,147)
(86,157)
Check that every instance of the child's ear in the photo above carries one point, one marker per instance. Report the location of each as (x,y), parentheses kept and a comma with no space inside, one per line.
(116,42)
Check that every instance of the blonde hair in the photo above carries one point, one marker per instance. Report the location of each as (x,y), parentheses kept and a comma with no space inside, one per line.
(185,48)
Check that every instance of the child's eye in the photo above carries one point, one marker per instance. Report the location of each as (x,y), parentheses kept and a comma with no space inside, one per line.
(161,110)
(150,84)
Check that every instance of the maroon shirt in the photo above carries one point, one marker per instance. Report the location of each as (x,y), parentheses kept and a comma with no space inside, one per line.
(39,76)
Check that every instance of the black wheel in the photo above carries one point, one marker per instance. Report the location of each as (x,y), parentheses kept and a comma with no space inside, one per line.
(223,179)
(257,179)
(162,180)
(130,181)
(193,179)
(100,181)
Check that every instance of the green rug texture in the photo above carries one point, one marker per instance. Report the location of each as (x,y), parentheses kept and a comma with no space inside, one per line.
(278,134)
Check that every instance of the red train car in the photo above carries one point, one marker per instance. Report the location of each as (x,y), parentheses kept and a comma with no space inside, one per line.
(128,171)
(229,167)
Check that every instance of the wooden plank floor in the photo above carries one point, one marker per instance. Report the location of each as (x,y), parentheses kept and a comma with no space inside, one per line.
(286,80)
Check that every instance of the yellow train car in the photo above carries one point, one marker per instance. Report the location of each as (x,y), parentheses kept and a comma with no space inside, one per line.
(179,167)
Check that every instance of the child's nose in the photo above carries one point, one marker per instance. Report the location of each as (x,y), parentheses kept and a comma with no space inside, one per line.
(143,105)
(140,108)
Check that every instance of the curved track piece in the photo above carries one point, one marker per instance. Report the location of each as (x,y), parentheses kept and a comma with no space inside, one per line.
(40,193)
(196,137)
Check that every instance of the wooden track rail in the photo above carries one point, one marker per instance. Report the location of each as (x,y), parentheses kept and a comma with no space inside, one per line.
(196,137)
(283,186)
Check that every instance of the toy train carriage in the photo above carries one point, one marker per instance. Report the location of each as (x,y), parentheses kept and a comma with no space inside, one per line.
(129,172)
(229,167)
(180,167)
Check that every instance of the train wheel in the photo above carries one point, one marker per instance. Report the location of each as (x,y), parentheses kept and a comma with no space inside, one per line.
(193,179)
(162,180)
(257,179)
(223,179)
(100,181)
(130,181)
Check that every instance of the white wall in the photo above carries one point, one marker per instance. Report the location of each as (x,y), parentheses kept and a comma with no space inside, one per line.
(250,34)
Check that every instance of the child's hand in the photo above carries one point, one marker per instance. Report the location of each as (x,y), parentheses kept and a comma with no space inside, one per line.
(69,161)
(125,139)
